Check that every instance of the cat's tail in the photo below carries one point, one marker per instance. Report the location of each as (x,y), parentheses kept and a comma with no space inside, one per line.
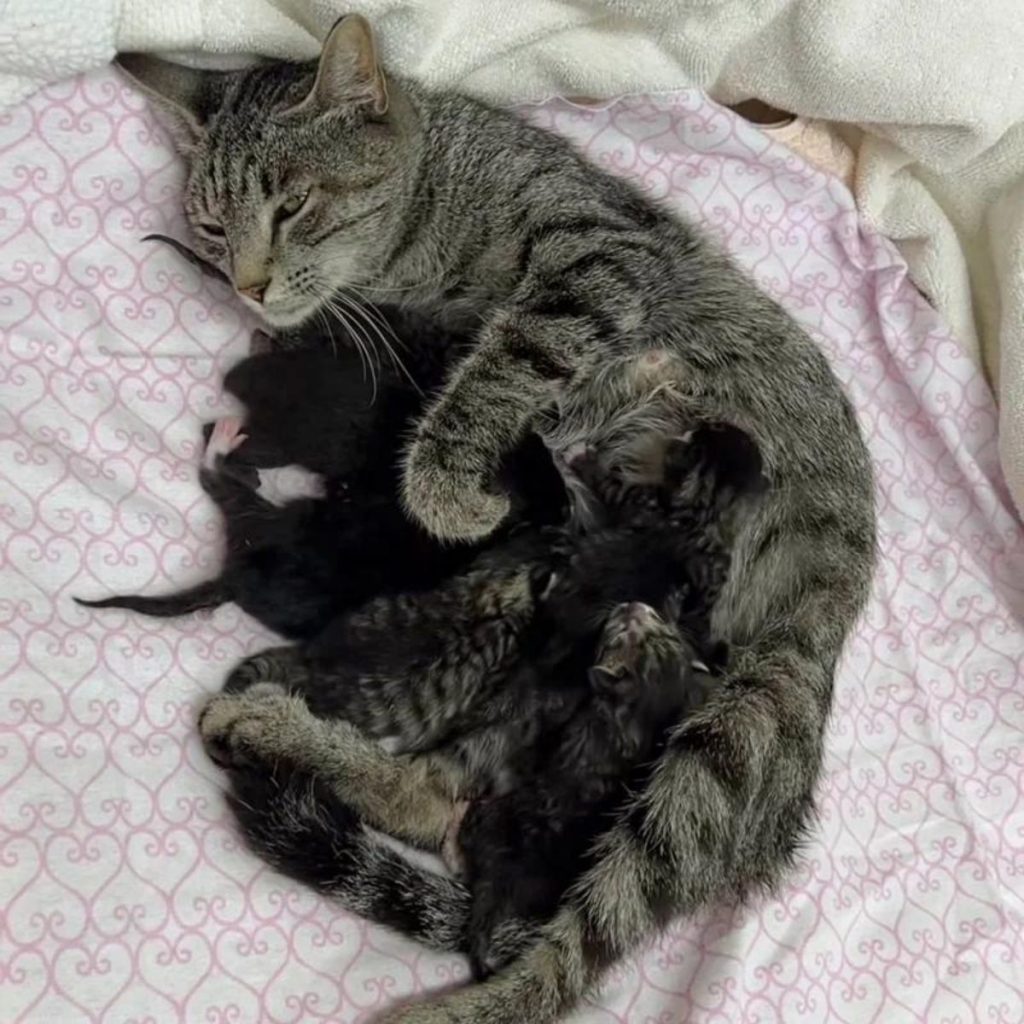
(720,817)
(299,826)
(203,595)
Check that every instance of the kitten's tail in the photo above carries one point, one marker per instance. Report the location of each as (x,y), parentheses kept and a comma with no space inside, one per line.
(297,824)
(203,595)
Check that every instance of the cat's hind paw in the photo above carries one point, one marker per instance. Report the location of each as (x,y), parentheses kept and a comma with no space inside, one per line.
(240,730)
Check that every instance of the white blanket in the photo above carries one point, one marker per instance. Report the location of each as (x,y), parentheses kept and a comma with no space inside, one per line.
(936,86)
(124,893)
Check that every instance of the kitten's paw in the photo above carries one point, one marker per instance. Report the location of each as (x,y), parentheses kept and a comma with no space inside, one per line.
(451,503)
(225,437)
(239,731)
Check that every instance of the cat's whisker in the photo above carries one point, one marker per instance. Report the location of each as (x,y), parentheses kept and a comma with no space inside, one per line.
(328,262)
(395,289)
(322,316)
(384,331)
(358,315)
(359,337)
(358,341)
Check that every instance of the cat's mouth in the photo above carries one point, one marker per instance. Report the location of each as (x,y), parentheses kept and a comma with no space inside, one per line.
(288,312)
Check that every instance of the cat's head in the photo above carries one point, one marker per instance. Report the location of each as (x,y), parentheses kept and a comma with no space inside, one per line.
(293,169)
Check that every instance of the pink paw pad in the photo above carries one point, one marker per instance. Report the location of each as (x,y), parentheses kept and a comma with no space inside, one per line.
(226,437)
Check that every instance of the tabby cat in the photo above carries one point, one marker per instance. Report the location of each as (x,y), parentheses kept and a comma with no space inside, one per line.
(597,314)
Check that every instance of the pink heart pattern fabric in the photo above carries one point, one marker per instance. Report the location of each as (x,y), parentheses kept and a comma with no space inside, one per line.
(124,892)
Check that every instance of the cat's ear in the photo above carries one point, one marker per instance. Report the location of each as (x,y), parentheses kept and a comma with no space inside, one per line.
(349,73)
(185,97)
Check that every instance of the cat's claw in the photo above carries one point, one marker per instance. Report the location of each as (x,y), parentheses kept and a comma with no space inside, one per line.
(451,504)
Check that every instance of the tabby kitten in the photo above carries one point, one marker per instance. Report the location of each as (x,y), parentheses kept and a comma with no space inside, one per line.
(597,313)
(521,848)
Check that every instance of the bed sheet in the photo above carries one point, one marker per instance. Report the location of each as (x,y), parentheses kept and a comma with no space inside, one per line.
(124,893)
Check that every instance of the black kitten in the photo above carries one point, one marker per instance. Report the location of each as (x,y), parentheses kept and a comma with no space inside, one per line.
(296,566)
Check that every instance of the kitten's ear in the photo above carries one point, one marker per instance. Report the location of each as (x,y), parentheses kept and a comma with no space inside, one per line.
(607,679)
(349,73)
(185,97)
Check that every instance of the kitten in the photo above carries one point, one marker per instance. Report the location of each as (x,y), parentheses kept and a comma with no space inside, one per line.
(295,567)
(597,316)
(519,850)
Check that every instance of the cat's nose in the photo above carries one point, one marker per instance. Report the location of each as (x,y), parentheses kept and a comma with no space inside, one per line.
(254,291)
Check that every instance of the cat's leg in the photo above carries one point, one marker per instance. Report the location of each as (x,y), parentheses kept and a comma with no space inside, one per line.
(297,824)
(506,859)
(410,798)
(284,666)
(525,356)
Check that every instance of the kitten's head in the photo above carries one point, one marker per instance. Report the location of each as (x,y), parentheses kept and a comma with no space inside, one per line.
(638,652)
(293,169)
(641,676)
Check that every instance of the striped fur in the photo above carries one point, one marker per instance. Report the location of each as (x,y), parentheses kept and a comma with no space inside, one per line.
(600,316)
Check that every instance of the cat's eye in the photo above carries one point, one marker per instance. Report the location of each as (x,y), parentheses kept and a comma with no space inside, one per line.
(292,205)
(211,228)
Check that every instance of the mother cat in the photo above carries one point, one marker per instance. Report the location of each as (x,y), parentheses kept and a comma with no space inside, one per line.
(600,316)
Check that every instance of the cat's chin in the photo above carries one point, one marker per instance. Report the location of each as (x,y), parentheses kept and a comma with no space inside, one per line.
(286,314)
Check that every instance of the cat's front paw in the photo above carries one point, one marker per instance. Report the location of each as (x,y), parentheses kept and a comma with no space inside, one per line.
(451,502)
(239,730)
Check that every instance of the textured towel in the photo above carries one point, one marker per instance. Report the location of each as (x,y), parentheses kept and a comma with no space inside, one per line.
(935,86)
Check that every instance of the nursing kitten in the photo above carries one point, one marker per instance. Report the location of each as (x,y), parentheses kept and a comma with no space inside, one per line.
(519,850)
(295,566)
(598,316)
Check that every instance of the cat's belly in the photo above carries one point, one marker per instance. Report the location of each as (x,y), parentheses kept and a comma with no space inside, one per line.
(624,414)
